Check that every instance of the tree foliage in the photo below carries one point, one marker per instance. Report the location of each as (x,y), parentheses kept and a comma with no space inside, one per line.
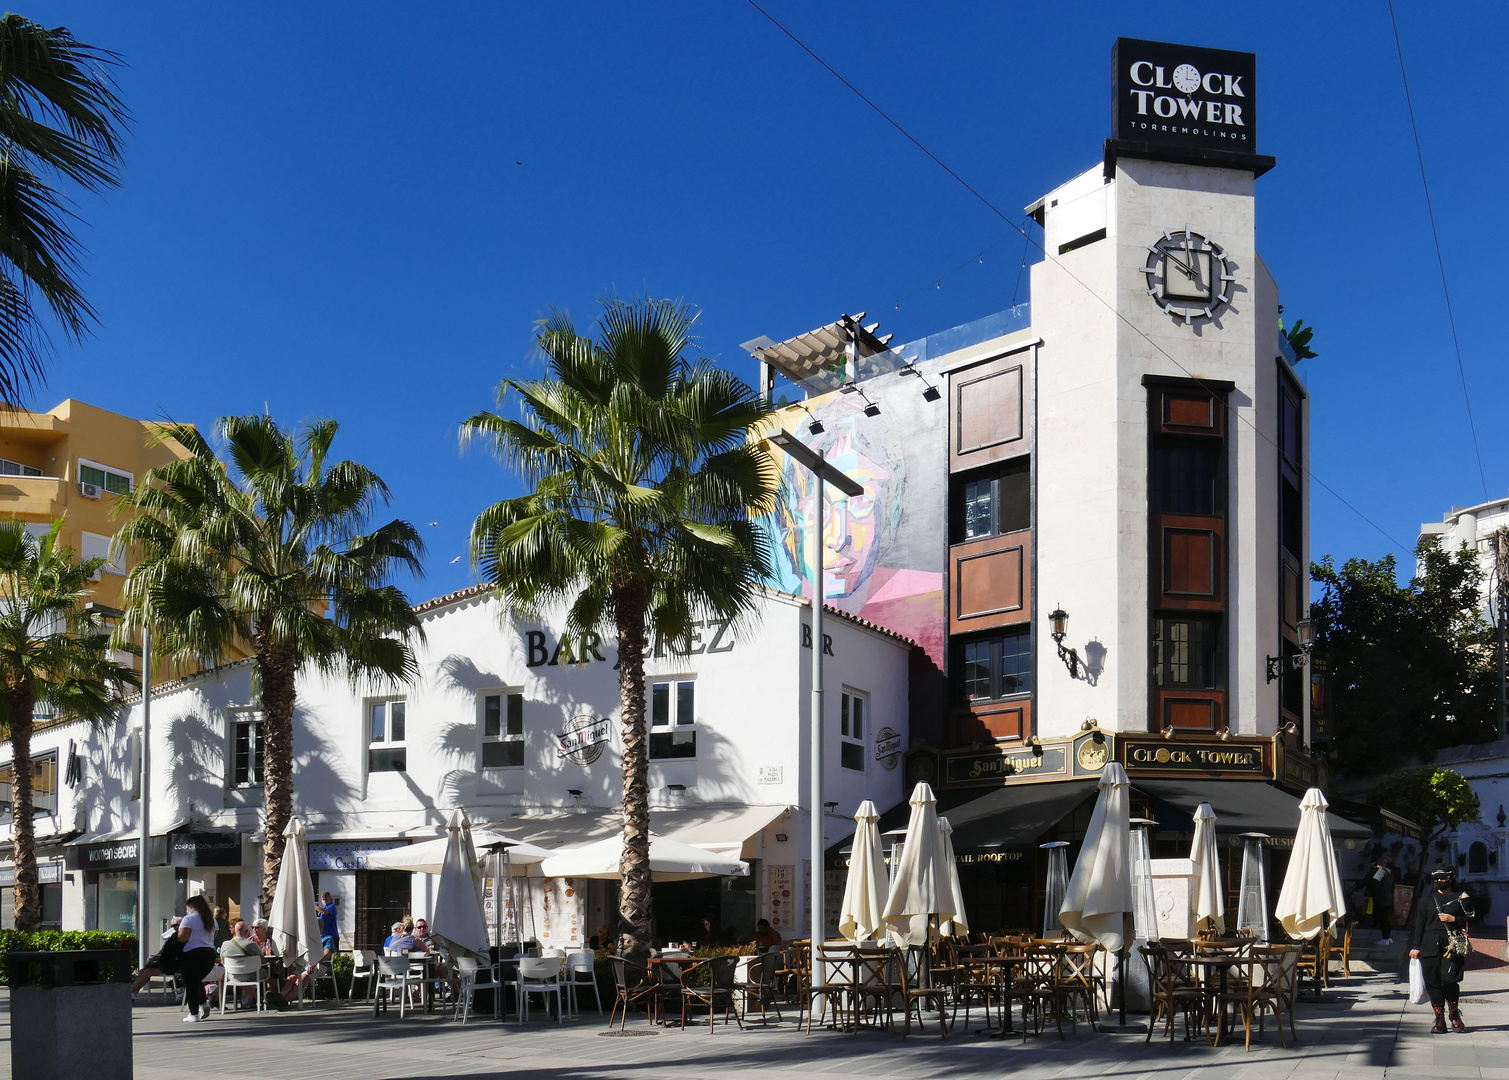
(54,653)
(61,125)
(271,547)
(1410,666)
(643,475)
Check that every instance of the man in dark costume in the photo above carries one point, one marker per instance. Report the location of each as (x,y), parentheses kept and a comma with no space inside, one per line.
(1438,912)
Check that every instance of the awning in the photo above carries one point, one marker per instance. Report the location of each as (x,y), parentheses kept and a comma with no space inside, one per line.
(1015,816)
(1241,806)
(724,830)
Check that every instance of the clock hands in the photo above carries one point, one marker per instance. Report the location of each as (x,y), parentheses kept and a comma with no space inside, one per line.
(1189,270)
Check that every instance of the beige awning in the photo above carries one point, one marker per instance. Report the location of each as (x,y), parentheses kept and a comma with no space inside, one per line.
(724,830)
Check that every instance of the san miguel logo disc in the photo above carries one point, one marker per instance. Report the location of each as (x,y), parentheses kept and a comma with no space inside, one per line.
(584,740)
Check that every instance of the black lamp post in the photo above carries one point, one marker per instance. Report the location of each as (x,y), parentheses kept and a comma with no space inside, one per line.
(1277,664)
(1058,619)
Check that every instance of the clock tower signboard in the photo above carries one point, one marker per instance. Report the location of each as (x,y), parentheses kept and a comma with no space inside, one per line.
(1184,104)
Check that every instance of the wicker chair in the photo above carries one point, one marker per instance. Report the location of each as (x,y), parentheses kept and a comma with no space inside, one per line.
(635,985)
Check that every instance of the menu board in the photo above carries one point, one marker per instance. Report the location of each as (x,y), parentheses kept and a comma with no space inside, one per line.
(782,885)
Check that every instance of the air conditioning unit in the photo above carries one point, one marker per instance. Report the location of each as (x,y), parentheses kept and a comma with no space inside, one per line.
(89,491)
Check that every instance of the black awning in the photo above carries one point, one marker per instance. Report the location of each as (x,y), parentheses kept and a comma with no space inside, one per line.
(1241,806)
(1015,816)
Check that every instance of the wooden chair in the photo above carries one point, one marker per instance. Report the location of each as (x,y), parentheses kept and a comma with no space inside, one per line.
(1077,979)
(1261,991)
(1346,949)
(718,988)
(634,985)
(1172,994)
(759,984)
(877,985)
(1315,959)
(917,990)
(835,987)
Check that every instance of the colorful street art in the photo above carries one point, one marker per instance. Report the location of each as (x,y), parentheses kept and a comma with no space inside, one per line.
(883,551)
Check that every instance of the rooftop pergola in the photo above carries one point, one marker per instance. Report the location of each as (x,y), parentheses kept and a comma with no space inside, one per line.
(820,359)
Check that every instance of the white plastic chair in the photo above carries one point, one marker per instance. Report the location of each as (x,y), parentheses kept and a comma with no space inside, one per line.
(324,969)
(394,976)
(581,974)
(540,975)
(364,966)
(240,971)
(471,977)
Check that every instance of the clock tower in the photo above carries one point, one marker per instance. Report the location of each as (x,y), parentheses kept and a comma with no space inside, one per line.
(1172,429)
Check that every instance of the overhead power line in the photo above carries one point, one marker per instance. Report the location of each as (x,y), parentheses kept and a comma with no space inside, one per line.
(1021,229)
(1430,211)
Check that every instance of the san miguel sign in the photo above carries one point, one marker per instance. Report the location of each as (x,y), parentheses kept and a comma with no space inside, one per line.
(1186,104)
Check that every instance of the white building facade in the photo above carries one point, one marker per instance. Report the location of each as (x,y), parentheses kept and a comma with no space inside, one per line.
(521,734)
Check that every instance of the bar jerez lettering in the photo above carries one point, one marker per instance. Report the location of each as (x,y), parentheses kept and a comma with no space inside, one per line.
(1179,94)
(708,636)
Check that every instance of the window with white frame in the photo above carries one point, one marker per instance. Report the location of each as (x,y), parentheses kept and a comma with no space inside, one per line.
(104,477)
(851,730)
(387,750)
(246,748)
(97,546)
(502,730)
(673,719)
(16,468)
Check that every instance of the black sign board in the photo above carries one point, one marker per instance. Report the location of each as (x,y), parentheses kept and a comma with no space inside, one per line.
(206,849)
(1181,757)
(1186,104)
(1005,767)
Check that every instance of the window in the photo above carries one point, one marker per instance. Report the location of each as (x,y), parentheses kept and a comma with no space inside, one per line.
(993,501)
(851,730)
(246,749)
(673,714)
(1477,858)
(1291,525)
(997,666)
(386,751)
(104,477)
(15,468)
(502,730)
(1186,477)
(1289,420)
(1184,653)
(1294,680)
(97,546)
(44,786)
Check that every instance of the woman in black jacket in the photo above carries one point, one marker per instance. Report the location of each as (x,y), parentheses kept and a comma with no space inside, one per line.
(1436,913)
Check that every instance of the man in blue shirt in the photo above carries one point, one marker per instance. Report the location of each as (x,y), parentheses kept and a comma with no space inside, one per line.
(330,935)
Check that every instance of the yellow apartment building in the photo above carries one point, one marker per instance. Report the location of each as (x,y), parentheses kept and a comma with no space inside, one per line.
(77,462)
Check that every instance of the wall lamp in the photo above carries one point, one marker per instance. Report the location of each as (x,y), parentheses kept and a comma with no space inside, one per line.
(1035,743)
(1277,664)
(830,806)
(1168,731)
(679,789)
(871,409)
(575,793)
(816,426)
(1059,618)
(932,393)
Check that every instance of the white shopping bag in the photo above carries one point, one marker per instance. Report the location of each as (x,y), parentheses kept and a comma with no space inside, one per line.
(1416,982)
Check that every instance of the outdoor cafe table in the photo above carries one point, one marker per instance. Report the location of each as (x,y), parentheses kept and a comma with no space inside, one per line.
(1005,964)
(682,964)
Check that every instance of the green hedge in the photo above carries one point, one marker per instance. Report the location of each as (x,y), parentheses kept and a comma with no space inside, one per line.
(62,941)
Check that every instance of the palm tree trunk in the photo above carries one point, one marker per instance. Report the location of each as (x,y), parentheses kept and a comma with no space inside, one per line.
(634,865)
(279,668)
(19,703)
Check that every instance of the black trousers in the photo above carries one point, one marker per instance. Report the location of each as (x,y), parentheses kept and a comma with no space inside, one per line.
(1443,979)
(192,968)
(1382,913)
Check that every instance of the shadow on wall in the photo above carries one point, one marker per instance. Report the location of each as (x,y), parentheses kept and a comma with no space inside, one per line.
(314,775)
(1095,661)
(108,805)
(196,765)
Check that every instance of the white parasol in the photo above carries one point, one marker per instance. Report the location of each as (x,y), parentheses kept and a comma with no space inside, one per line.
(295,926)
(458,918)
(1209,898)
(1099,892)
(859,917)
(958,926)
(920,889)
(429,857)
(1312,889)
(670,860)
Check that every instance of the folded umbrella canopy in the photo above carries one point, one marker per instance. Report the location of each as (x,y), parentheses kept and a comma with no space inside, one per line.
(295,926)
(958,926)
(865,891)
(670,860)
(1312,888)
(1100,889)
(920,890)
(1209,898)
(457,918)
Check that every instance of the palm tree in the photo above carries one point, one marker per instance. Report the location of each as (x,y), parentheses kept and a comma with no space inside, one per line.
(644,476)
(59,121)
(267,548)
(54,652)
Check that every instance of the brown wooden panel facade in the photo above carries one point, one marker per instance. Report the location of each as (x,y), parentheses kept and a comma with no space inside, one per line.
(990,411)
(991,721)
(990,583)
(1190,710)
(1191,558)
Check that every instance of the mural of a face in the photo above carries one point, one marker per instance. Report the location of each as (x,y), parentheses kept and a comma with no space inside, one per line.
(852,527)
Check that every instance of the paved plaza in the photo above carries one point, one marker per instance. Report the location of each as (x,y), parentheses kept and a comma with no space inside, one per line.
(1364,1029)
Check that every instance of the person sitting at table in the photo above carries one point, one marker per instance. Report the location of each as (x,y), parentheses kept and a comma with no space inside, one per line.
(422,940)
(263,937)
(707,933)
(162,962)
(766,937)
(240,943)
(401,940)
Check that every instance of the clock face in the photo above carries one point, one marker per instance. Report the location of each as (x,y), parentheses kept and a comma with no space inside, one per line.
(1188,275)
(1186,78)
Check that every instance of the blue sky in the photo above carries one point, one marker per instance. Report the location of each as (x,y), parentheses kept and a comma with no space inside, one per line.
(359,210)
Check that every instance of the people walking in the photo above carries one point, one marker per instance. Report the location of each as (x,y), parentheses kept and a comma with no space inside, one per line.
(1380,899)
(197,934)
(1440,916)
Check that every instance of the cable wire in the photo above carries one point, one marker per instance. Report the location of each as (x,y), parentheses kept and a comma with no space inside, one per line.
(1047,257)
(1430,211)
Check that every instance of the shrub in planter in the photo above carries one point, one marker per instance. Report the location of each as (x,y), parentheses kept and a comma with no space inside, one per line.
(62,941)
